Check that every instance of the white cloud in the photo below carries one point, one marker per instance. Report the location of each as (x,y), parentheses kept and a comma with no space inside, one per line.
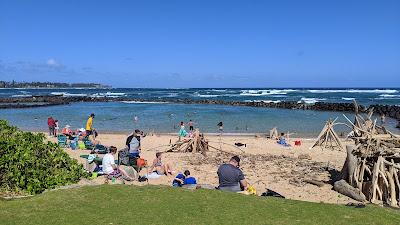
(53,62)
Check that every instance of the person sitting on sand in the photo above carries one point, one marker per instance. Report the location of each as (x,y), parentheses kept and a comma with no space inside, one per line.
(230,177)
(188,179)
(110,168)
(67,132)
(159,167)
(282,140)
(184,179)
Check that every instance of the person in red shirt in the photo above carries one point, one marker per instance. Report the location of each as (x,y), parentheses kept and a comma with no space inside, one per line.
(52,124)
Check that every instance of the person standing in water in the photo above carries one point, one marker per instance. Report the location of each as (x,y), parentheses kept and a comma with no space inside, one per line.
(190,124)
(383,118)
(220,127)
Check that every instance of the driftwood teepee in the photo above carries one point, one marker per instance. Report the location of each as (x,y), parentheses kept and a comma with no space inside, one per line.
(273,133)
(328,137)
(197,143)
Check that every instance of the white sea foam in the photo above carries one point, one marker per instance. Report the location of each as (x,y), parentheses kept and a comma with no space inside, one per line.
(348,99)
(115,93)
(171,95)
(265,92)
(266,101)
(321,91)
(207,96)
(66,94)
(219,90)
(108,94)
(18,96)
(58,93)
(389,96)
(311,100)
(139,102)
(197,94)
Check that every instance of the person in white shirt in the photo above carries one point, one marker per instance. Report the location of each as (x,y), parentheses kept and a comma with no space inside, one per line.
(110,168)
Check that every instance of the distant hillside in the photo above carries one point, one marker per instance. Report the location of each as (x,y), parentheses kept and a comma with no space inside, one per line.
(14,84)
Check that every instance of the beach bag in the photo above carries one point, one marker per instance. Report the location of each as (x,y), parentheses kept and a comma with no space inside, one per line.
(123,157)
(141,162)
(251,190)
(81,145)
(72,144)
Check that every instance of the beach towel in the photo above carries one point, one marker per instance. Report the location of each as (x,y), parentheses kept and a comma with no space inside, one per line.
(153,175)
(91,158)
(283,142)
(81,145)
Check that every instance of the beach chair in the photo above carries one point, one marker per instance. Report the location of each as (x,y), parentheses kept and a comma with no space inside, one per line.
(62,140)
(124,159)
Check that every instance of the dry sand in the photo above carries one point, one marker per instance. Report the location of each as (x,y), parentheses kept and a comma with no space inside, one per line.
(264,163)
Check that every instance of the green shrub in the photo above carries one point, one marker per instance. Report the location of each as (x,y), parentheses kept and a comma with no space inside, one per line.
(28,164)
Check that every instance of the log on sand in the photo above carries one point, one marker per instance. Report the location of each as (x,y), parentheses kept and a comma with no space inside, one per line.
(349,165)
(344,188)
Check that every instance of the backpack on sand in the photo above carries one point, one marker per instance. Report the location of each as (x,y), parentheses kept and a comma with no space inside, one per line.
(123,157)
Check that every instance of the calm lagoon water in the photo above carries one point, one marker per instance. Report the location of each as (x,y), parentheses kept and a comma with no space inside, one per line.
(118,117)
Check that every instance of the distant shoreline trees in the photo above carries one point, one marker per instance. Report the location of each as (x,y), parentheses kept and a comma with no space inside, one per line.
(14,84)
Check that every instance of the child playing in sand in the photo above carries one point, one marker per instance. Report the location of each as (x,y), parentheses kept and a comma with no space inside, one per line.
(282,140)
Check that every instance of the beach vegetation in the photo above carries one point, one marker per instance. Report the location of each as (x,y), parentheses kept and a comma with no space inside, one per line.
(29,164)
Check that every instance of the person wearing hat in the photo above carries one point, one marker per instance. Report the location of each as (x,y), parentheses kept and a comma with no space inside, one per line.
(230,177)
(89,125)
(67,131)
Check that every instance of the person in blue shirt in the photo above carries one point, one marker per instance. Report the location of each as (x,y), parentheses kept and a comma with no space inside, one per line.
(183,179)
(189,180)
(179,180)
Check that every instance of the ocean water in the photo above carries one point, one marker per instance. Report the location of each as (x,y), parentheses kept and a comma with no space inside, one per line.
(363,96)
(118,117)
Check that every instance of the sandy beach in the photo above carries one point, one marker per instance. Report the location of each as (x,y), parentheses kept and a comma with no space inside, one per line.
(264,163)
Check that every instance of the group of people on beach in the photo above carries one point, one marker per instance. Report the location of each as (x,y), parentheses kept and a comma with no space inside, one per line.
(230,176)
(183,133)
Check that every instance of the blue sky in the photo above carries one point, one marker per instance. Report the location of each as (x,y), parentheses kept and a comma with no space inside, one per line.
(202,43)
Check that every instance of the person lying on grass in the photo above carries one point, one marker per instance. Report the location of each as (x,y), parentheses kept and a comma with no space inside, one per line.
(159,167)
(230,177)
(110,168)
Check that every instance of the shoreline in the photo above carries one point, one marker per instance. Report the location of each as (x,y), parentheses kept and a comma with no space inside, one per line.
(392,111)
(254,135)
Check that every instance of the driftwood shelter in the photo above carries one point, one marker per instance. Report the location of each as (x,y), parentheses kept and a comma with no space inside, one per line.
(372,168)
(328,137)
(197,143)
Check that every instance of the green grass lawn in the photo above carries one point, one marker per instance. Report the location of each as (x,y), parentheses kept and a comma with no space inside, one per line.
(120,204)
